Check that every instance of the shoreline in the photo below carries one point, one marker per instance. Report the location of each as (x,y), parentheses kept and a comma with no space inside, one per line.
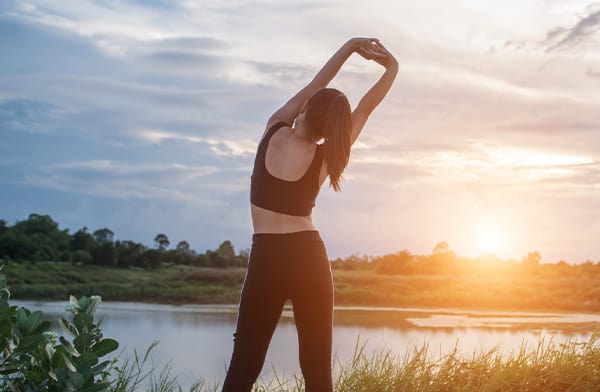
(185,285)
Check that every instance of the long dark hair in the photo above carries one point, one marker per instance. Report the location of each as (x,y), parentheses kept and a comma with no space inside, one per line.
(328,116)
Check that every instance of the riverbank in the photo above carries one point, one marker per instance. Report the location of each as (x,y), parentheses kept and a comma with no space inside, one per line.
(184,284)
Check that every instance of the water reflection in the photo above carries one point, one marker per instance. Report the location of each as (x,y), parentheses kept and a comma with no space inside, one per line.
(198,340)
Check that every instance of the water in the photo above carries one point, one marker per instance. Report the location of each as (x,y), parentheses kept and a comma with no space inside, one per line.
(198,339)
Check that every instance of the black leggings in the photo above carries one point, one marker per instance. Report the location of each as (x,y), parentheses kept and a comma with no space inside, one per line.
(284,266)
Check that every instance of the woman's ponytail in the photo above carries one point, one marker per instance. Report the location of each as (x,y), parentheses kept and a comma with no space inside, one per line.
(328,116)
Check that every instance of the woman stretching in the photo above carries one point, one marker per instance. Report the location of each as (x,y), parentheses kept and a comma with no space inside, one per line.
(306,141)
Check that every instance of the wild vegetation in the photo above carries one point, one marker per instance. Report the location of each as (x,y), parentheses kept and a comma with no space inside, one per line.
(33,358)
(39,238)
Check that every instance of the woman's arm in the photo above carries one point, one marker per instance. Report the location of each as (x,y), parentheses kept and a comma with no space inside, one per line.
(288,112)
(375,95)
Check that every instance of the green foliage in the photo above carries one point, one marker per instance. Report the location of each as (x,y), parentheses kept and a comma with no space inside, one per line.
(162,241)
(103,236)
(183,247)
(33,358)
(38,238)
(81,240)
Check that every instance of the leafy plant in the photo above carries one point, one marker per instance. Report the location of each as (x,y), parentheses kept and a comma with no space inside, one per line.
(34,358)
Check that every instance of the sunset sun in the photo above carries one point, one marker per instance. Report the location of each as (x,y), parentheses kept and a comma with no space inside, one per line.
(489,240)
(488,236)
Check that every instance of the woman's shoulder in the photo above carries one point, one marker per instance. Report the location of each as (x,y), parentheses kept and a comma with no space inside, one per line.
(273,125)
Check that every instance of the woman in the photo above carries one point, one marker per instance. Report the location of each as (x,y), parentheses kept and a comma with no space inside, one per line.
(288,259)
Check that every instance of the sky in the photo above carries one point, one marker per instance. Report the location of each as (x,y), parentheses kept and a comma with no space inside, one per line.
(144,117)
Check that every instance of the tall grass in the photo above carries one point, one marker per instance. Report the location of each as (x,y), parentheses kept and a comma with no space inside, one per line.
(543,366)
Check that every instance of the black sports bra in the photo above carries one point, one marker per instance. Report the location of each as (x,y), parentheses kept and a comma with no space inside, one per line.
(286,197)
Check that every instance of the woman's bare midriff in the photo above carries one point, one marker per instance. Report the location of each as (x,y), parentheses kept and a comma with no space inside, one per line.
(266,221)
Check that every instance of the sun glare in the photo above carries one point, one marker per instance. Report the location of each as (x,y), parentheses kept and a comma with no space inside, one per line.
(488,236)
(489,240)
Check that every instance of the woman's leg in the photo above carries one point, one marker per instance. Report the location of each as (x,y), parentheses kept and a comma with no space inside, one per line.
(260,307)
(312,300)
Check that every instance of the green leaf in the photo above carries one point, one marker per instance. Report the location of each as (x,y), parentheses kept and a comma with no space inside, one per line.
(68,327)
(90,359)
(105,346)
(28,342)
(22,315)
(100,367)
(83,321)
(83,342)
(68,347)
(34,320)
(42,327)
(9,370)
(84,302)
(49,352)
(77,380)
(69,364)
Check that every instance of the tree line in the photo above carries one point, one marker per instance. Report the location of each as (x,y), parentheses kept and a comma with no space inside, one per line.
(39,238)
(444,261)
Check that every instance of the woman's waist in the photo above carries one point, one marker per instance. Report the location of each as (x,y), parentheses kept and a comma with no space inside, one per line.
(266,221)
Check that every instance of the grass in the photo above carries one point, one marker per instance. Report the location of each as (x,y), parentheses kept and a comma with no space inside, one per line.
(184,284)
(545,366)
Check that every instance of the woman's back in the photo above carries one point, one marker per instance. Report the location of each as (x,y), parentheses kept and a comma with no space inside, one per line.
(287,176)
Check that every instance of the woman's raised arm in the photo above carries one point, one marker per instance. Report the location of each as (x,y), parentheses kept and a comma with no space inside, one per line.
(375,95)
(288,112)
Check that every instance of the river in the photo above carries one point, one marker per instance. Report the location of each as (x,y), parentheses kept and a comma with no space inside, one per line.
(197,340)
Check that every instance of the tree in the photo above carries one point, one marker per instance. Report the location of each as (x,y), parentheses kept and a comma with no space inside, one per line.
(183,247)
(151,259)
(38,238)
(533,259)
(442,259)
(441,247)
(129,253)
(103,236)
(104,254)
(394,264)
(82,256)
(82,240)
(226,250)
(162,241)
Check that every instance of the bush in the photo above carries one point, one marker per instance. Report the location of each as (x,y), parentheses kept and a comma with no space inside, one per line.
(34,358)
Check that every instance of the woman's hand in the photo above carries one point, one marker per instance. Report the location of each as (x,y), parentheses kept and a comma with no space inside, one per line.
(372,49)
(384,57)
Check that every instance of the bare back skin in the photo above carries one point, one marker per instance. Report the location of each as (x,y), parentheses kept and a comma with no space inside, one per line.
(288,157)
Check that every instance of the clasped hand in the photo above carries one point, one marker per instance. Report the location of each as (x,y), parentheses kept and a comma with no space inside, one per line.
(372,49)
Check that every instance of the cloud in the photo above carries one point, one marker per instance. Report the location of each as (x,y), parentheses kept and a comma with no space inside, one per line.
(118,180)
(224,147)
(28,116)
(569,38)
